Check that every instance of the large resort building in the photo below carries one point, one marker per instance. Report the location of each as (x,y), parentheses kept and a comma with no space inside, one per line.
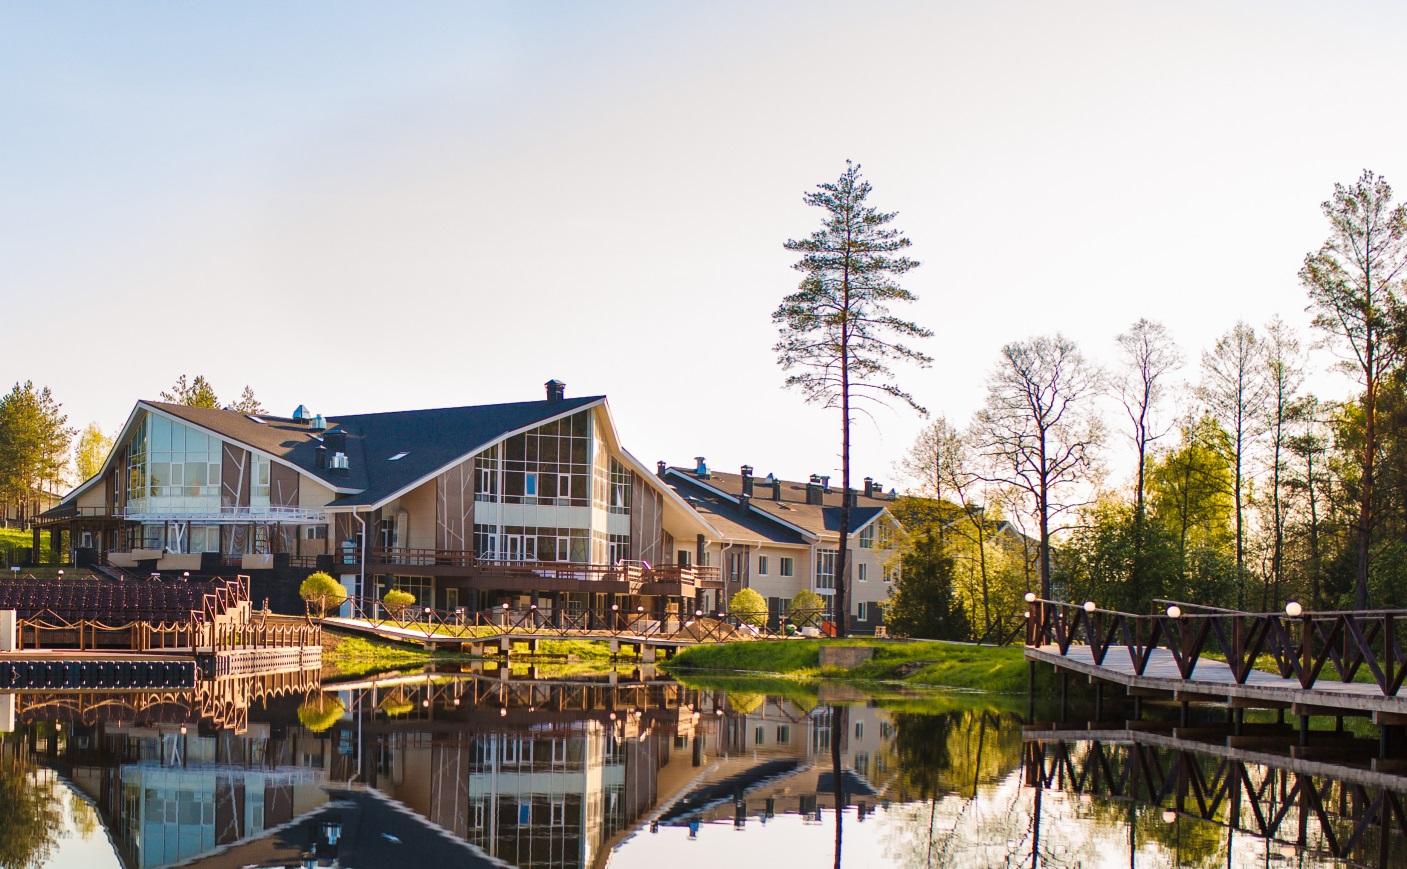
(533,503)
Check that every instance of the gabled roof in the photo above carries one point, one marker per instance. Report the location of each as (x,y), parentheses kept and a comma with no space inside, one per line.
(815,519)
(426,441)
(433,440)
(730,520)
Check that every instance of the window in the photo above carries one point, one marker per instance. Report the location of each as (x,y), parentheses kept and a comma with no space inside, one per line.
(783,734)
(205,538)
(737,566)
(859,730)
(559,811)
(825,568)
(886,534)
(420,586)
(862,763)
(530,485)
(759,736)
(860,572)
(314,532)
(867,536)
(683,558)
(761,565)
(862,610)
(784,566)
(260,473)
(564,486)
(619,488)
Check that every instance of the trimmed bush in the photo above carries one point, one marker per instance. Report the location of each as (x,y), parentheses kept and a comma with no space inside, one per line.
(748,607)
(396,601)
(322,592)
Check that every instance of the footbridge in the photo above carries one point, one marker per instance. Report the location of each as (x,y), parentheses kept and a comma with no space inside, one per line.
(1336,663)
(503,629)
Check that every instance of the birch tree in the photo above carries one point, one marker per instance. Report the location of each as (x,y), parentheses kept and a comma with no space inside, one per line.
(1284,375)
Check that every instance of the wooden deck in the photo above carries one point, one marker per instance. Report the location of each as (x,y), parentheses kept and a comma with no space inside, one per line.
(1214,681)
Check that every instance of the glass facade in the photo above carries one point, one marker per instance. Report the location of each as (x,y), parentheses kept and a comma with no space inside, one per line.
(172,468)
(825,568)
(549,465)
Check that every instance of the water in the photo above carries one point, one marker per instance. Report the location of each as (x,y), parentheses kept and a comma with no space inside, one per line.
(626,770)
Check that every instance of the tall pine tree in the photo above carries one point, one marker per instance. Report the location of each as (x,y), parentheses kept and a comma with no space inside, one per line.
(838,338)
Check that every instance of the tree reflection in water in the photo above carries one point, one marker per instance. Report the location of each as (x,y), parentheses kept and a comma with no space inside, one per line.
(31,815)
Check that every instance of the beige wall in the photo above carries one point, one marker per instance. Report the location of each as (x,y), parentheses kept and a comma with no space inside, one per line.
(419,504)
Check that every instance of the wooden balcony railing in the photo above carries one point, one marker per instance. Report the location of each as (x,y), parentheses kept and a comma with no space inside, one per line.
(624,571)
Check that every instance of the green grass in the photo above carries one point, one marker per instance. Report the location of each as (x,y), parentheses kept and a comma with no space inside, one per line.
(1000,669)
(356,656)
(12,539)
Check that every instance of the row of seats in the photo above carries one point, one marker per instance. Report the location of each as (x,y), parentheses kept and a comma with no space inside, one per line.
(74,599)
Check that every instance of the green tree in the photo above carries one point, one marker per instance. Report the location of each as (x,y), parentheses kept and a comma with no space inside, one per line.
(837,336)
(91,451)
(322,591)
(30,816)
(806,607)
(1190,489)
(748,607)
(922,604)
(1235,389)
(34,441)
(1354,289)
(191,393)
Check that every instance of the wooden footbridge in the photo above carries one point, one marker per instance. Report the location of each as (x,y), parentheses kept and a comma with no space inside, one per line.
(500,630)
(1337,663)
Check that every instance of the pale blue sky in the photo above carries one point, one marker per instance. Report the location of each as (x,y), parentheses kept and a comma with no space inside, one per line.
(364,207)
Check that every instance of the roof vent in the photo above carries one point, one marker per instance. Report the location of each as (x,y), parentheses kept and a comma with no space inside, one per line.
(319,423)
(339,462)
(397,457)
(302,414)
(556,390)
(252,418)
(700,468)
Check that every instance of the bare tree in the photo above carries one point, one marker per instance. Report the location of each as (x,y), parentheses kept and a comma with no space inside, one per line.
(1149,355)
(1036,429)
(1234,389)
(1353,283)
(1284,375)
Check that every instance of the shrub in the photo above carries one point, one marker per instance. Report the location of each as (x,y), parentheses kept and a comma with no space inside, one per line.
(322,591)
(748,607)
(396,601)
(806,607)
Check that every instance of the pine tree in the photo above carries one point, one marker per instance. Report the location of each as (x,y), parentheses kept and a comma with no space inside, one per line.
(34,440)
(838,338)
(191,393)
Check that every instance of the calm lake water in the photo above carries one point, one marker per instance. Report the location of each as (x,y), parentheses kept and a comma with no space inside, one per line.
(627,770)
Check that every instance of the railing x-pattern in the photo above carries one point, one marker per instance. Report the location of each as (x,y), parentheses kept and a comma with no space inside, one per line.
(615,622)
(1361,645)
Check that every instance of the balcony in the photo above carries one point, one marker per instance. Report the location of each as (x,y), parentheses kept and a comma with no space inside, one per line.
(625,577)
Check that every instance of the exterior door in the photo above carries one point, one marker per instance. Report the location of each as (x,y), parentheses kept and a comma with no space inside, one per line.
(451,599)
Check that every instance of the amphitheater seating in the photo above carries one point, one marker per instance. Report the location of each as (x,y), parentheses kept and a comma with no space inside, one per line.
(111,601)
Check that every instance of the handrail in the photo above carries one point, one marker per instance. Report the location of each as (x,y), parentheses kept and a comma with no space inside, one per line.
(1301,645)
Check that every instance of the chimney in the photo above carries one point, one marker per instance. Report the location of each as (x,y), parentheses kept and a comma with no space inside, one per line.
(700,468)
(744,500)
(813,491)
(747,481)
(851,499)
(826,484)
(556,390)
(776,489)
(660,467)
(320,457)
(870,487)
(336,440)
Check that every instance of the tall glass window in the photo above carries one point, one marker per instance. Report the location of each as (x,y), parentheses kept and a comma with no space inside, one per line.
(172,468)
(549,465)
(825,568)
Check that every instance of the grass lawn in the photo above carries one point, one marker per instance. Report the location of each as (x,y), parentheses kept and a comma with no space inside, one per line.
(999,669)
(12,539)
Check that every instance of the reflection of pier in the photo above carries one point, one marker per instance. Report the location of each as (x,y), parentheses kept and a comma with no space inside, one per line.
(1335,811)
(221,703)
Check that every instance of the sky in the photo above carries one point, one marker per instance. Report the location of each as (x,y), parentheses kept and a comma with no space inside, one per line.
(366,207)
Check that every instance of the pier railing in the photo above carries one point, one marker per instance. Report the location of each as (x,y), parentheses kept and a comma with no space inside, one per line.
(1336,645)
(617,621)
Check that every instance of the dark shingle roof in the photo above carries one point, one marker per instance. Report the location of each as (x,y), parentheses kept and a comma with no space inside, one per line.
(729,519)
(430,439)
(792,508)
